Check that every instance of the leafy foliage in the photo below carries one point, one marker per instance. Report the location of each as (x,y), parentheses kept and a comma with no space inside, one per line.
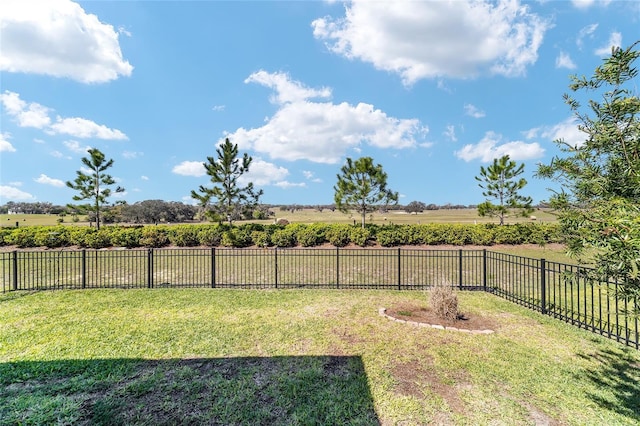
(339,235)
(362,186)
(500,184)
(95,184)
(415,207)
(598,204)
(232,200)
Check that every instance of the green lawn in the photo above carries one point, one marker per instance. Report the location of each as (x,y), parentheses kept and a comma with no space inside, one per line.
(314,216)
(10,220)
(298,357)
(400,217)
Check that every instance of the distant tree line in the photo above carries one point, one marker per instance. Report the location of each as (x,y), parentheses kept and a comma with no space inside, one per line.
(31,208)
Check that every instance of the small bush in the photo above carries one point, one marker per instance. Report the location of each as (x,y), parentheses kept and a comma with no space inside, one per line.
(98,239)
(392,236)
(311,235)
(51,237)
(359,236)
(261,238)
(184,236)
(154,236)
(126,237)
(284,237)
(22,237)
(210,236)
(339,235)
(444,302)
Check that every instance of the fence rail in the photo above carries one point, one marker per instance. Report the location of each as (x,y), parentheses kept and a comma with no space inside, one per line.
(555,289)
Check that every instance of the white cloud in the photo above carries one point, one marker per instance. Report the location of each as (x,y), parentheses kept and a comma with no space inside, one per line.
(144,177)
(310,176)
(322,132)
(286,184)
(40,141)
(26,115)
(190,168)
(5,145)
(567,130)
(58,38)
(122,30)
(35,115)
(431,39)
(615,40)
(585,32)
(286,90)
(46,180)
(586,4)
(564,61)
(58,154)
(473,111)
(218,108)
(450,133)
(491,147)
(131,155)
(11,193)
(83,128)
(263,173)
(74,146)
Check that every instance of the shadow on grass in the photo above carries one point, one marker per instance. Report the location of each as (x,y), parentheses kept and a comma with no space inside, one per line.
(302,390)
(616,375)
(12,295)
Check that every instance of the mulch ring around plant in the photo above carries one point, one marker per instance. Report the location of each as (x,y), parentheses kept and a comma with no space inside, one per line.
(422,316)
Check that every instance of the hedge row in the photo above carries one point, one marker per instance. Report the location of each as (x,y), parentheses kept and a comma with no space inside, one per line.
(291,235)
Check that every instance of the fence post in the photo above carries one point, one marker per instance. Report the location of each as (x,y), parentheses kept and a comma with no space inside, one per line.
(484,269)
(460,268)
(276,264)
(337,267)
(150,268)
(399,271)
(543,286)
(84,268)
(213,267)
(15,269)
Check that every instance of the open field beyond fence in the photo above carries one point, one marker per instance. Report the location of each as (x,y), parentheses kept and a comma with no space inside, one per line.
(315,216)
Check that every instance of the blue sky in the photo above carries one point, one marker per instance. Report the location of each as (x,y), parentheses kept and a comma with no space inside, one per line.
(432,90)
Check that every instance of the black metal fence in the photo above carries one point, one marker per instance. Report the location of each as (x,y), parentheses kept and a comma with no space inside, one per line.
(552,288)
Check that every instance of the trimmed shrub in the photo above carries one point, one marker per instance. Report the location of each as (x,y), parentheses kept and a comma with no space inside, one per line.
(311,235)
(284,237)
(235,237)
(261,238)
(127,237)
(359,236)
(22,237)
(154,236)
(184,236)
(339,235)
(392,236)
(4,233)
(210,236)
(98,239)
(51,237)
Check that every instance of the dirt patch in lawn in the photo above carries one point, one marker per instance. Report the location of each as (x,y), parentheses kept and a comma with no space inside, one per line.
(419,379)
(421,314)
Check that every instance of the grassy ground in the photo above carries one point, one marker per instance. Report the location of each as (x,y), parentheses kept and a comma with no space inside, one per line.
(10,220)
(400,217)
(298,357)
(326,216)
